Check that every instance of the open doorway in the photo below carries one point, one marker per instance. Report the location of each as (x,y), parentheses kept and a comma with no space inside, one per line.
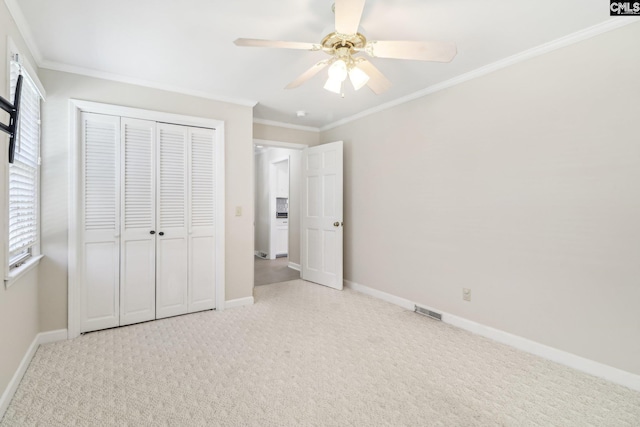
(277,171)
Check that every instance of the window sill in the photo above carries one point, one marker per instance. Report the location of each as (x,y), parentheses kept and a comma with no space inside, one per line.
(17,273)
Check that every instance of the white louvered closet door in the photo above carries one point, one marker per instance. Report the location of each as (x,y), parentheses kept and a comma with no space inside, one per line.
(171,249)
(99,250)
(202,212)
(138,241)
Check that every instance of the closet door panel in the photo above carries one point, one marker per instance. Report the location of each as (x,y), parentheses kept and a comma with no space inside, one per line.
(100,269)
(202,211)
(99,229)
(138,275)
(172,247)
(202,278)
(137,270)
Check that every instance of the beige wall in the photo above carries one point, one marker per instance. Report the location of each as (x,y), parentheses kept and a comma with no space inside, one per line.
(523,185)
(295,204)
(18,324)
(277,133)
(19,303)
(261,203)
(55,173)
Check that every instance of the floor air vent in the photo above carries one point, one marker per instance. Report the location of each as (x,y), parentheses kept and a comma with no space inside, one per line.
(429,313)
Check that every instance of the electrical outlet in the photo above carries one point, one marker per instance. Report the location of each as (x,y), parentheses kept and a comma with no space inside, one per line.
(238,210)
(466,294)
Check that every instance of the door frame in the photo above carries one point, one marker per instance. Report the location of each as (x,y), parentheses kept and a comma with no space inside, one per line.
(76,107)
(272,203)
(272,144)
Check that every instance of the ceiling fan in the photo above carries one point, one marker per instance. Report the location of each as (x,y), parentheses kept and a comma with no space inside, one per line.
(346,42)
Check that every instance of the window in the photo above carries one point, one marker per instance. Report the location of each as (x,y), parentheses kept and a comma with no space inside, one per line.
(24,172)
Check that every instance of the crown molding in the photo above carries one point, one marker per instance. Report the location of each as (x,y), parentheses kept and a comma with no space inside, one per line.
(27,35)
(24,29)
(606,26)
(56,66)
(285,125)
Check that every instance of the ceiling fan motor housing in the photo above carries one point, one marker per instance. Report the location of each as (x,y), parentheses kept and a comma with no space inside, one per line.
(334,41)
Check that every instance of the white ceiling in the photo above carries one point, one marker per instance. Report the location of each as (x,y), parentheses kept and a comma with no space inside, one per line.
(188,45)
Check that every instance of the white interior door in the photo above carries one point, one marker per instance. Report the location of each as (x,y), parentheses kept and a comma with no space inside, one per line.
(171,238)
(202,214)
(100,228)
(322,210)
(138,240)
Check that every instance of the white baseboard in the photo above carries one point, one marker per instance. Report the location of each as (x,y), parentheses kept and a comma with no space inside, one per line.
(41,338)
(52,336)
(571,360)
(240,302)
(17,377)
(294,266)
(404,303)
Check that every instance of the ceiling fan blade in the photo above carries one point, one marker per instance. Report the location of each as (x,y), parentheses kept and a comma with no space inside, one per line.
(422,51)
(308,74)
(348,14)
(378,83)
(276,44)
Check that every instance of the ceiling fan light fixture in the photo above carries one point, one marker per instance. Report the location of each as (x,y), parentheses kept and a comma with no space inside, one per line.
(358,77)
(338,70)
(333,85)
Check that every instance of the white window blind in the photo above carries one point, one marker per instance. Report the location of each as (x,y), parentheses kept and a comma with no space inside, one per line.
(24,172)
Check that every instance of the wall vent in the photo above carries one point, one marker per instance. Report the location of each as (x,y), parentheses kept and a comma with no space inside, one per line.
(429,313)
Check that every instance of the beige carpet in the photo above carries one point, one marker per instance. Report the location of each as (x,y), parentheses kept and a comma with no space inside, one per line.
(307,355)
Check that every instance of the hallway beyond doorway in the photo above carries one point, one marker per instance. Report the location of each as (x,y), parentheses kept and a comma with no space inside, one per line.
(267,271)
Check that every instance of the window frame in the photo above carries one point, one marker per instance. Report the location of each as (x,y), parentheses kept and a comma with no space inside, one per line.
(18,266)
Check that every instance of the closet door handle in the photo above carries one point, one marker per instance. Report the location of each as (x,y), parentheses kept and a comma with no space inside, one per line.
(152,232)
(161,233)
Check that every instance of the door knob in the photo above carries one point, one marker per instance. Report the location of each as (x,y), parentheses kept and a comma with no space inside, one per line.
(152,232)
(161,233)
(336,224)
